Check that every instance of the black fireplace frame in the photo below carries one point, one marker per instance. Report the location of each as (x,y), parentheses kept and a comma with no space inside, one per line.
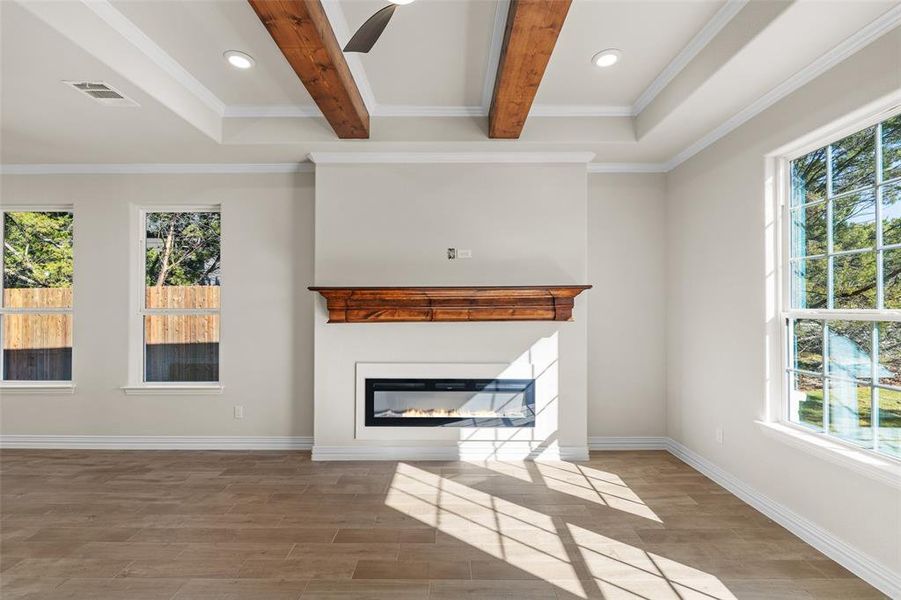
(524,386)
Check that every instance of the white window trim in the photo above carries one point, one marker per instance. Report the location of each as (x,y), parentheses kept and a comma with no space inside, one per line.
(43,388)
(776,421)
(35,386)
(136,384)
(876,466)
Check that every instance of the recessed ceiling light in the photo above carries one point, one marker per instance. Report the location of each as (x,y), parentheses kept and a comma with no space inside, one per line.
(401,1)
(239,60)
(607,58)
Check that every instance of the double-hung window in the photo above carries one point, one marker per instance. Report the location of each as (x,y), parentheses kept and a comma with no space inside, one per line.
(181,261)
(36,299)
(844,302)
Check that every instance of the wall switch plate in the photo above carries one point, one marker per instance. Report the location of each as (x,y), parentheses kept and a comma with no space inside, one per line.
(451,253)
(239,411)
(464,253)
(719,434)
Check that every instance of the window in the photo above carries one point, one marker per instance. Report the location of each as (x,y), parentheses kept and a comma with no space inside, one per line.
(844,302)
(36,309)
(181,259)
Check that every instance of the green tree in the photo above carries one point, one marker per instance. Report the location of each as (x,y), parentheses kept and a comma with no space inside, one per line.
(37,249)
(183,248)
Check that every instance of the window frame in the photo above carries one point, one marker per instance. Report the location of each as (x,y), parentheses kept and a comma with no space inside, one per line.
(137,369)
(785,263)
(43,385)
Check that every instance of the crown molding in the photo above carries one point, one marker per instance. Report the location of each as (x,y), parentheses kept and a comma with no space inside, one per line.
(153,168)
(579,110)
(876,29)
(688,53)
(326,158)
(494,52)
(140,40)
(397,110)
(272,111)
(627,167)
(265,111)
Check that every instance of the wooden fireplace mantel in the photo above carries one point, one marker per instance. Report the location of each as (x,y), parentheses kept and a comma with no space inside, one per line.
(466,303)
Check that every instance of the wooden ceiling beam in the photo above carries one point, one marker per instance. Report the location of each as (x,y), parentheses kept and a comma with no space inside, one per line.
(531,33)
(302,31)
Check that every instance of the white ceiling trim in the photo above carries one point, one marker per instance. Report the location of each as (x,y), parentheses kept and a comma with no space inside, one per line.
(579,110)
(325,158)
(272,111)
(131,32)
(397,110)
(627,168)
(862,38)
(688,53)
(335,15)
(152,168)
(494,52)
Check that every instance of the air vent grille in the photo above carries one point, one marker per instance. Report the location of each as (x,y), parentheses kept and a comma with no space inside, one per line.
(102,92)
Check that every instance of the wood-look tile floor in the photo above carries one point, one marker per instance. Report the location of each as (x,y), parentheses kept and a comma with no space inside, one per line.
(162,525)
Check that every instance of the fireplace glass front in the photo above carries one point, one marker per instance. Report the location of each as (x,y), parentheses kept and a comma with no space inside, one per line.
(450,402)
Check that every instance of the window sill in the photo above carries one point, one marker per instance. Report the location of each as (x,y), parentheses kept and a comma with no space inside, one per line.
(173,390)
(10,387)
(871,465)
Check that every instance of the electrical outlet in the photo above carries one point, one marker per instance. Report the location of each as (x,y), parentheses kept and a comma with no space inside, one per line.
(239,411)
(464,253)
(719,434)
(451,253)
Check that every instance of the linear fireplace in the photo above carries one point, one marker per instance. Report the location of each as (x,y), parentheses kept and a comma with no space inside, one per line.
(450,402)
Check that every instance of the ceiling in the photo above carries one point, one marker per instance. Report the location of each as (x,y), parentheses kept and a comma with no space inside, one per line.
(688,66)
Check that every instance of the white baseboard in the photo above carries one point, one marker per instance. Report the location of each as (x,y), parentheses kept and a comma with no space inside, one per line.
(465,451)
(862,565)
(627,443)
(156,442)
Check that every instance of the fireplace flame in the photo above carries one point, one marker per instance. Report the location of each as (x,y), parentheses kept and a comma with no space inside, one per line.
(421,413)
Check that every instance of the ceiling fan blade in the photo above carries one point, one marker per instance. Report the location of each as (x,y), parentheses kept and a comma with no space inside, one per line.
(368,33)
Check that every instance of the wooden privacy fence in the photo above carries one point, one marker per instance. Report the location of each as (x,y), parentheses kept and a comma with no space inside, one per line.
(179,347)
(182,347)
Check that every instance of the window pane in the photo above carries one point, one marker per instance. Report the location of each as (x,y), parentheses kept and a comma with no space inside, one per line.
(806,400)
(889,370)
(890,421)
(850,349)
(37,259)
(809,230)
(809,283)
(808,345)
(850,407)
(37,347)
(891,276)
(809,178)
(854,281)
(891,214)
(182,259)
(854,161)
(854,222)
(891,148)
(181,348)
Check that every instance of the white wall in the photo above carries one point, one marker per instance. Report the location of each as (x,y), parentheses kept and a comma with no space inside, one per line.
(266,337)
(392,224)
(720,317)
(626,308)
(268,262)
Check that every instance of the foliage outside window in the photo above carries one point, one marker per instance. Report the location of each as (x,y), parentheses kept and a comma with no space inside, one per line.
(36,308)
(844,318)
(181,266)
